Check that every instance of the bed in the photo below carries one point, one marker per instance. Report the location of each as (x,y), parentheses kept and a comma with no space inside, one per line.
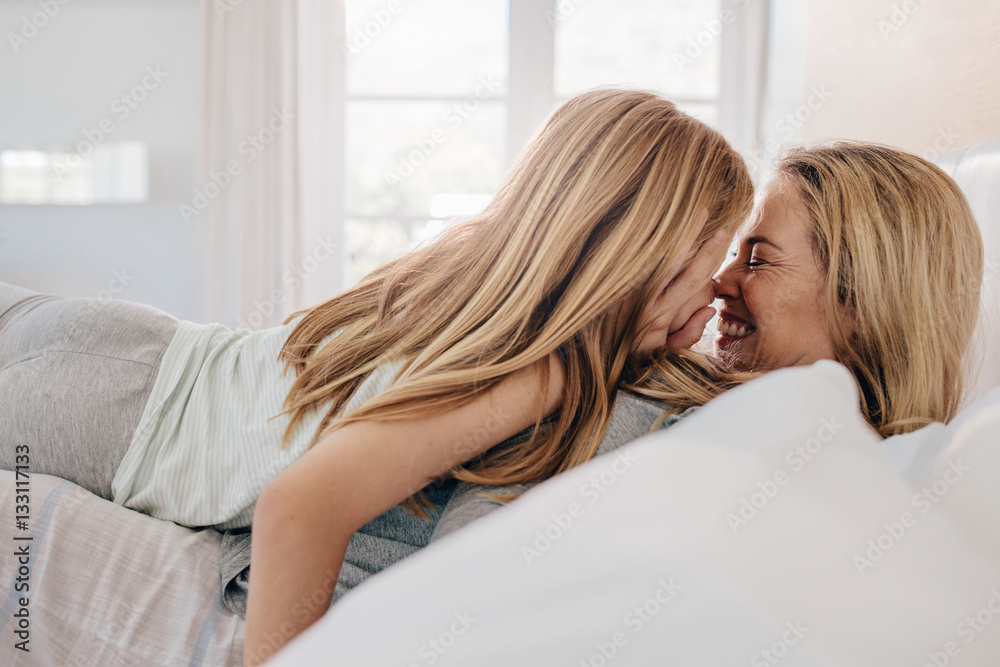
(706,555)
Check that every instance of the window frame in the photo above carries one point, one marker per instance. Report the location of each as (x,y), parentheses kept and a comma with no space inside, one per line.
(531,97)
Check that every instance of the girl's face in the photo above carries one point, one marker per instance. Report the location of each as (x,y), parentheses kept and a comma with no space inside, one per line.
(677,315)
(655,325)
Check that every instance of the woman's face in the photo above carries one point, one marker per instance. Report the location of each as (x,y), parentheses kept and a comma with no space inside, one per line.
(773,311)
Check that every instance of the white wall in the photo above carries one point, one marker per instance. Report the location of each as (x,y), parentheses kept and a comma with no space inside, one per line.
(63,82)
(920,74)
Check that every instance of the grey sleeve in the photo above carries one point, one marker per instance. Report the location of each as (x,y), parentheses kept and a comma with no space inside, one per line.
(468,503)
(631,418)
(234,570)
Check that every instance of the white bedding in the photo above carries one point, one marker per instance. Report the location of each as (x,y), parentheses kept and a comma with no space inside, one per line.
(113,587)
(801,576)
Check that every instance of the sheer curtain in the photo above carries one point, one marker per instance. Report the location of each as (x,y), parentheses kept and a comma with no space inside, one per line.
(274,134)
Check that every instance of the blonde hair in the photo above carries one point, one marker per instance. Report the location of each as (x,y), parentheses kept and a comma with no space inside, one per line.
(682,379)
(904,261)
(599,204)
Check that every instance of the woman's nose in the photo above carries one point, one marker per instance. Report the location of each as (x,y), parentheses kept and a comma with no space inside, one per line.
(726,283)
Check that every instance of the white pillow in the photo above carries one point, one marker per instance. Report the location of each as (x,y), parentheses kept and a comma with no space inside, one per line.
(965,482)
(916,453)
(748,533)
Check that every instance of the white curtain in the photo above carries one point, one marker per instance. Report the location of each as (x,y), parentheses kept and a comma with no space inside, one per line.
(274,138)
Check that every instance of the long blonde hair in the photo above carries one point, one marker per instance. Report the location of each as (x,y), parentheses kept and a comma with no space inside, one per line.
(904,260)
(599,204)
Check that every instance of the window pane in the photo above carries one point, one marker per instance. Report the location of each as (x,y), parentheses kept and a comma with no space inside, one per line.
(400,155)
(426,47)
(45,177)
(668,46)
(114,172)
(706,112)
(371,243)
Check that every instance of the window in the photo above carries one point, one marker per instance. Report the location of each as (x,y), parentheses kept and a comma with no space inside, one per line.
(115,172)
(441,95)
(647,44)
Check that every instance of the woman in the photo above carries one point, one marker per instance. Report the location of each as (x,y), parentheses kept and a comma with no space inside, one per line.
(868,255)
(533,308)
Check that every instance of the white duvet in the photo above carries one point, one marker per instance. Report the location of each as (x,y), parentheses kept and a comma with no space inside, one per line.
(771,527)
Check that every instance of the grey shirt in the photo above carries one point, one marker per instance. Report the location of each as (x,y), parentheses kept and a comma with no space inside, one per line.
(396,534)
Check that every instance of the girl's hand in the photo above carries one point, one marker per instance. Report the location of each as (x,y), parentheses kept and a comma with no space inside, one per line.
(677,316)
(692,330)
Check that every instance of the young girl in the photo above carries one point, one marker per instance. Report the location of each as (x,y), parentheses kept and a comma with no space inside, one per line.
(598,249)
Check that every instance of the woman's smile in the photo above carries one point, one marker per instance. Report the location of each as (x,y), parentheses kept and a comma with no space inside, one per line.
(731,328)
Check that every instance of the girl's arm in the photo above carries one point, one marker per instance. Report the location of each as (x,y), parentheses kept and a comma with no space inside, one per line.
(305,518)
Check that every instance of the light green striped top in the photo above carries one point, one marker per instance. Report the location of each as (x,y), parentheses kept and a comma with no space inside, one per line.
(205,446)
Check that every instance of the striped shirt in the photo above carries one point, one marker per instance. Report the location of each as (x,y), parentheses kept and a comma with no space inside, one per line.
(206,445)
